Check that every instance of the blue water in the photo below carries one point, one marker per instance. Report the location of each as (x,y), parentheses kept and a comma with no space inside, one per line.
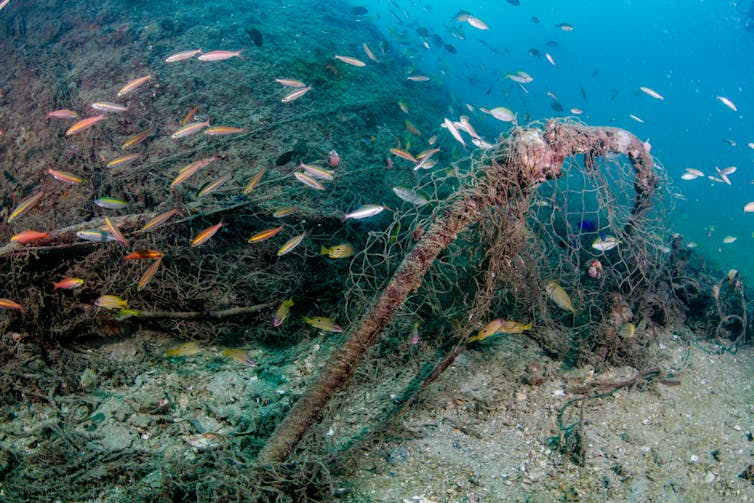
(689,52)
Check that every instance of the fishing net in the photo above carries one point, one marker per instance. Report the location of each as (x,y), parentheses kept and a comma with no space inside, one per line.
(498,267)
(501,230)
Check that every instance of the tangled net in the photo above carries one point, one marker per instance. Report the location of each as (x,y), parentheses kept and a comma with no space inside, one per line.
(510,254)
(503,224)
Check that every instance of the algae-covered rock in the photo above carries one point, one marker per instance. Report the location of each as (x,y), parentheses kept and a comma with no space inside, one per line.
(6,462)
(89,379)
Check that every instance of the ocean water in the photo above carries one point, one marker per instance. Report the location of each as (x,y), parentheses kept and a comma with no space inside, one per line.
(689,52)
(220,284)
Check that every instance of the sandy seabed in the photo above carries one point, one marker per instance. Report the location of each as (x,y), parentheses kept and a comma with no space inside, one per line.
(481,435)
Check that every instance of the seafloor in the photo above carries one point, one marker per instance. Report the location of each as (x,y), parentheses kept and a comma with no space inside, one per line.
(484,432)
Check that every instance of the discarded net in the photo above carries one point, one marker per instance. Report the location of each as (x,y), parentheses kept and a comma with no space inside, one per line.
(494,201)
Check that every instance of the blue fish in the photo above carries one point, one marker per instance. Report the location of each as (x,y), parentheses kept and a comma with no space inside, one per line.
(587,225)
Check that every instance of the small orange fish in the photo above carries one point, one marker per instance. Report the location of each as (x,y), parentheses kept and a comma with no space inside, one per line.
(369,53)
(212,186)
(183,55)
(189,129)
(412,129)
(403,154)
(159,219)
(350,61)
(148,274)
(265,234)
(67,283)
(62,114)
(24,206)
(133,85)
(115,232)
(309,181)
(123,159)
(64,176)
(84,124)
(254,181)
(291,244)
(187,171)
(29,236)
(290,82)
(296,94)
(137,138)
(206,234)
(190,115)
(222,130)
(219,55)
(9,304)
(144,254)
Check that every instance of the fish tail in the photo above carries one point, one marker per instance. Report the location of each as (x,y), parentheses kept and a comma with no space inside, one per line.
(323,250)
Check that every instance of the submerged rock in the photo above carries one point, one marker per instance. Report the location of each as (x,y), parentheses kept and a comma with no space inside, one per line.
(6,462)
(256,36)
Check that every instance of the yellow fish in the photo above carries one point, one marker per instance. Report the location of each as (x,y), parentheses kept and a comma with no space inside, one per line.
(282,212)
(239,355)
(185,349)
(500,326)
(323,323)
(559,296)
(344,250)
(627,330)
(282,313)
(126,313)
(111,302)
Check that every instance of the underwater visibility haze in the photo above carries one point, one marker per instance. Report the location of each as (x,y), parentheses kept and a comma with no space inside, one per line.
(242,242)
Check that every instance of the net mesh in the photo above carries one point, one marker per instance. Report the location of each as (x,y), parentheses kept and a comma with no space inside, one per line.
(498,266)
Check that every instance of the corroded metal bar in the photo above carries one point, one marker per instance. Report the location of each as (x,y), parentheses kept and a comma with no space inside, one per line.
(528,158)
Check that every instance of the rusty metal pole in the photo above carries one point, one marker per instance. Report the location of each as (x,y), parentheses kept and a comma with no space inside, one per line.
(528,158)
